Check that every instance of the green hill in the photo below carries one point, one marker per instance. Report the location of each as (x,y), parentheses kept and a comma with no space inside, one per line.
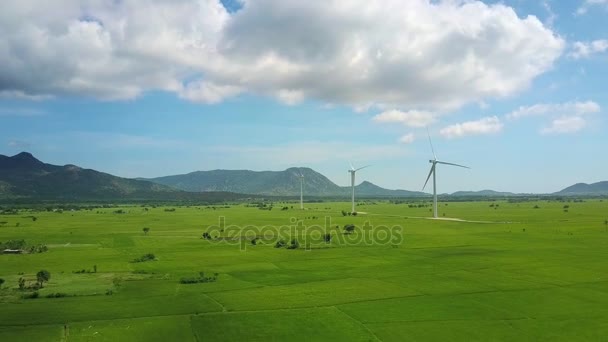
(599,188)
(24,177)
(273,183)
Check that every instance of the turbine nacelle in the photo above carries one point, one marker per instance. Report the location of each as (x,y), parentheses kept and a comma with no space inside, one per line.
(432,172)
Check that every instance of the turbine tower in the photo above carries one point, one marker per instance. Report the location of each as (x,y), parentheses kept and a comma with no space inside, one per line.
(301,176)
(433,172)
(353,172)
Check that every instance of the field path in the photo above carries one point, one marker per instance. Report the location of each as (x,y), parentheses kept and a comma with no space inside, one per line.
(453,219)
(359,322)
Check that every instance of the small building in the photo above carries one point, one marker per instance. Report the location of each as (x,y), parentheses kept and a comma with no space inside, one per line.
(12,251)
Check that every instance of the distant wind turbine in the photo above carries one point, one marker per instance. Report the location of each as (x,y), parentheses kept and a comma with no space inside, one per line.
(353,172)
(434,173)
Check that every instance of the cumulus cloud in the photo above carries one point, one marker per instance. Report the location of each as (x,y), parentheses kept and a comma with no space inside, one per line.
(555,109)
(590,3)
(586,49)
(19,144)
(564,125)
(407,139)
(412,118)
(360,53)
(488,125)
(568,117)
(208,92)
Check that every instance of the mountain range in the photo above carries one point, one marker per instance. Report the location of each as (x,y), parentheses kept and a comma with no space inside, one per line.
(599,188)
(22,176)
(274,183)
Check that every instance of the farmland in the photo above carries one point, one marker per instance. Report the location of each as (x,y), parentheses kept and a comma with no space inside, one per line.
(509,270)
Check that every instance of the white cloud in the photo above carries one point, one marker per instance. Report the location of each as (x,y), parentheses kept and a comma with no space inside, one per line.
(21,111)
(19,144)
(407,139)
(586,49)
(360,53)
(488,125)
(555,109)
(412,118)
(565,125)
(208,92)
(590,3)
(568,117)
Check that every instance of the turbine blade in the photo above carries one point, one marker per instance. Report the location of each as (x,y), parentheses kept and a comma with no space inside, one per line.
(444,163)
(429,176)
(431,142)
(362,167)
(351,165)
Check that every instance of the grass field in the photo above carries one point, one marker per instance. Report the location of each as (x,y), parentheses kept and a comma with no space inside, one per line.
(514,272)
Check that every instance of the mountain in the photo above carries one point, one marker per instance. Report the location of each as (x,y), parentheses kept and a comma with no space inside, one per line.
(276,183)
(599,188)
(273,183)
(369,189)
(24,177)
(482,193)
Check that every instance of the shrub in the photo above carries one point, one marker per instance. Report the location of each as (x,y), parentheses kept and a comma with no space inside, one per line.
(13,244)
(145,257)
(32,295)
(280,244)
(200,279)
(294,244)
(142,272)
(56,295)
(349,228)
(327,238)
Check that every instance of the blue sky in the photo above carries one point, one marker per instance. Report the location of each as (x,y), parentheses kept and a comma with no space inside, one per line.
(516,90)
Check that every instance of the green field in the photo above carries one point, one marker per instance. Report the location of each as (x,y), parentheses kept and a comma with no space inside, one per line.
(514,272)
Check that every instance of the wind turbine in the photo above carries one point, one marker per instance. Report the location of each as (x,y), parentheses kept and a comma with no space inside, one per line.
(301,176)
(433,172)
(353,172)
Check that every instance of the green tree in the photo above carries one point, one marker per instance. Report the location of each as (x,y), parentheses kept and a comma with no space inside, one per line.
(146,230)
(21,283)
(294,244)
(1,282)
(349,228)
(42,276)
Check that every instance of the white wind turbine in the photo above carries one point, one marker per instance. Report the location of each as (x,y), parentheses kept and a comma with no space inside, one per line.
(353,172)
(434,173)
